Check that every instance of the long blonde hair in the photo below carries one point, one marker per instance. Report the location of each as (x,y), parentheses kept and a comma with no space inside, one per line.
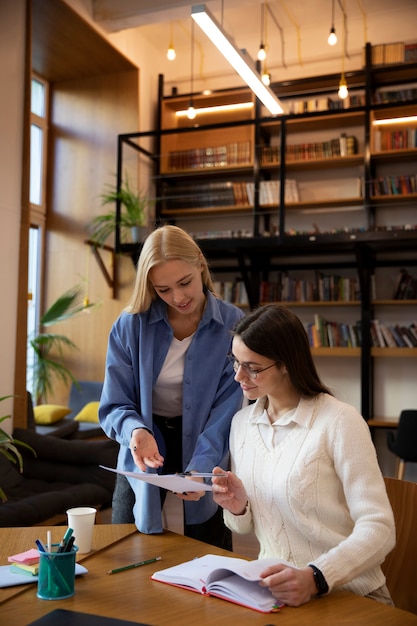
(166,243)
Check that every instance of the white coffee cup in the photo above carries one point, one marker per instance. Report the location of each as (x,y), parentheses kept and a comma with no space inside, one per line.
(81,519)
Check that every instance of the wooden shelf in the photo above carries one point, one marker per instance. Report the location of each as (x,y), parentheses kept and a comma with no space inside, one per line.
(393,353)
(336,352)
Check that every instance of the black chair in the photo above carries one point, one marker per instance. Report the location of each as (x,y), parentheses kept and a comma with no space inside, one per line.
(404,443)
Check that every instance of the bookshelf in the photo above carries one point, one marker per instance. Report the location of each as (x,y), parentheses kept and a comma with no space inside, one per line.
(264,195)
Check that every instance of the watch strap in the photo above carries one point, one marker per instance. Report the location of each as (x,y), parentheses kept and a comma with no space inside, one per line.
(319,579)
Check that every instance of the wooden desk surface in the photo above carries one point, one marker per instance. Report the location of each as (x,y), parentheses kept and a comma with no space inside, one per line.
(383,422)
(131,595)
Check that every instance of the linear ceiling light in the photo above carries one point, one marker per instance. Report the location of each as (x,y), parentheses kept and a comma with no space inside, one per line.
(395,120)
(234,56)
(216,109)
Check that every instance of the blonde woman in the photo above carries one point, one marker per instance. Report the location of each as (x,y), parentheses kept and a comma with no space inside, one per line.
(169,392)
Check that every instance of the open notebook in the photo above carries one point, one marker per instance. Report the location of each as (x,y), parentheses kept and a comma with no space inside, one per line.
(229,578)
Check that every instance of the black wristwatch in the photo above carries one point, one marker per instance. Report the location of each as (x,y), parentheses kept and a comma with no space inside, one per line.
(321,584)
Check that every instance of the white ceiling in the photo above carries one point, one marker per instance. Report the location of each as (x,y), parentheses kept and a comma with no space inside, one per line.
(296,30)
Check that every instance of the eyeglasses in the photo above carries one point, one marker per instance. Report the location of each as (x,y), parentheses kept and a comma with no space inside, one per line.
(247,368)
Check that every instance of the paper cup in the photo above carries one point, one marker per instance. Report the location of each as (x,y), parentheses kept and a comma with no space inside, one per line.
(81,519)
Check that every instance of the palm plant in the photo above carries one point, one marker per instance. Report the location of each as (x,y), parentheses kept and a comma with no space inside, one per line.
(47,367)
(8,448)
(133,212)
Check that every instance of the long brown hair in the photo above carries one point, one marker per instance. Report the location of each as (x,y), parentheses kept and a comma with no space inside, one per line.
(166,243)
(275,332)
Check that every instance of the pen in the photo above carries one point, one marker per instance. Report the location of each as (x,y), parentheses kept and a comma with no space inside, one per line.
(201,475)
(126,567)
(69,544)
(61,547)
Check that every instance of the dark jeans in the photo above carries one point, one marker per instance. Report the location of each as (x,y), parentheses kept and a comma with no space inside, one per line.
(213,531)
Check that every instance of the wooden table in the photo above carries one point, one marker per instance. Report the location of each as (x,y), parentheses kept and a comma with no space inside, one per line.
(131,595)
(383,422)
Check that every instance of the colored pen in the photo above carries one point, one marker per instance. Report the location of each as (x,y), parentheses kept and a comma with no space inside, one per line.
(69,544)
(61,547)
(126,567)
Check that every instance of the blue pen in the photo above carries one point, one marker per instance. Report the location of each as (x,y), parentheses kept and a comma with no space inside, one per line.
(40,545)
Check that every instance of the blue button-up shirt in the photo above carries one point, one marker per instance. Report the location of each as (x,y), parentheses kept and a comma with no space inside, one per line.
(137,348)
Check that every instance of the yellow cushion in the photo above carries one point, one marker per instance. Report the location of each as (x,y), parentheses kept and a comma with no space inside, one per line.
(49,413)
(89,413)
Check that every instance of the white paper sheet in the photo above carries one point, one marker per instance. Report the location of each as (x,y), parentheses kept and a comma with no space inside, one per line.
(172,482)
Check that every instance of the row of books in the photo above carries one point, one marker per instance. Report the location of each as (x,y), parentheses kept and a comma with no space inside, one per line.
(345,145)
(233,291)
(228,194)
(394,185)
(327,334)
(406,286)
(311,105)
(269,192)
(398,52)
(323,288)
(393,335)
(228,155)
(222,234)
(395,139)
(382,96)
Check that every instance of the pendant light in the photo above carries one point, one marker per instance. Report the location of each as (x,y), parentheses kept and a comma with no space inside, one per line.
(171,54)
(262,52)
(191,114)
(332,38)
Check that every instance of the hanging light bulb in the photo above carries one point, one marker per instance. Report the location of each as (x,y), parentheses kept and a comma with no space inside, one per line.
(332,38)
(171,54)
(191,114)
(266,76)
(261,53)
(266,79)
(343,89)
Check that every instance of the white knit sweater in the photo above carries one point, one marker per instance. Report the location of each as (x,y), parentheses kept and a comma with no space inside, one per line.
(317,496)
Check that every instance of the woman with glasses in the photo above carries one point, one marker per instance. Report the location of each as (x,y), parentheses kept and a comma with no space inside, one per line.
(169,392)
(305,476)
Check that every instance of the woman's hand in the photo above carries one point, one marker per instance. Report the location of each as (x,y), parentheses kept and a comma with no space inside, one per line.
(192,496)
(229,492)
(288,584)
(145,450)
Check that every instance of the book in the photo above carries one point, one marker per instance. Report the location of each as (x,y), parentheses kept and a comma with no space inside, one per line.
(64,617)
(229,578)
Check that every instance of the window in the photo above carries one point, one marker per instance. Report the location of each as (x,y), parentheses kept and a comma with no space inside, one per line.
(37,196)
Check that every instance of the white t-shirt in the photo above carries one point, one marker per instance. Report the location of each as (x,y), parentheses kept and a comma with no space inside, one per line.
(167,391)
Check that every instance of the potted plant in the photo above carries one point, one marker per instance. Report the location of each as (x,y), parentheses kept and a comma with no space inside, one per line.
(46,366)
(134,205)
(8,448)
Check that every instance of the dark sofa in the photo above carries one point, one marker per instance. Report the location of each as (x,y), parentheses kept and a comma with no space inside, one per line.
(65,473)
(81,394)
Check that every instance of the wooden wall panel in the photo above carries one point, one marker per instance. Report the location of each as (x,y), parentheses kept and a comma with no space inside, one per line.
(87,116)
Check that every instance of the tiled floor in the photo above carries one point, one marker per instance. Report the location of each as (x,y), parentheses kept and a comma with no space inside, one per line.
(246,545)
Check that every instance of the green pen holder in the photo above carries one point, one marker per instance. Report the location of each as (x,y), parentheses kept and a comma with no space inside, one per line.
(56,578)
